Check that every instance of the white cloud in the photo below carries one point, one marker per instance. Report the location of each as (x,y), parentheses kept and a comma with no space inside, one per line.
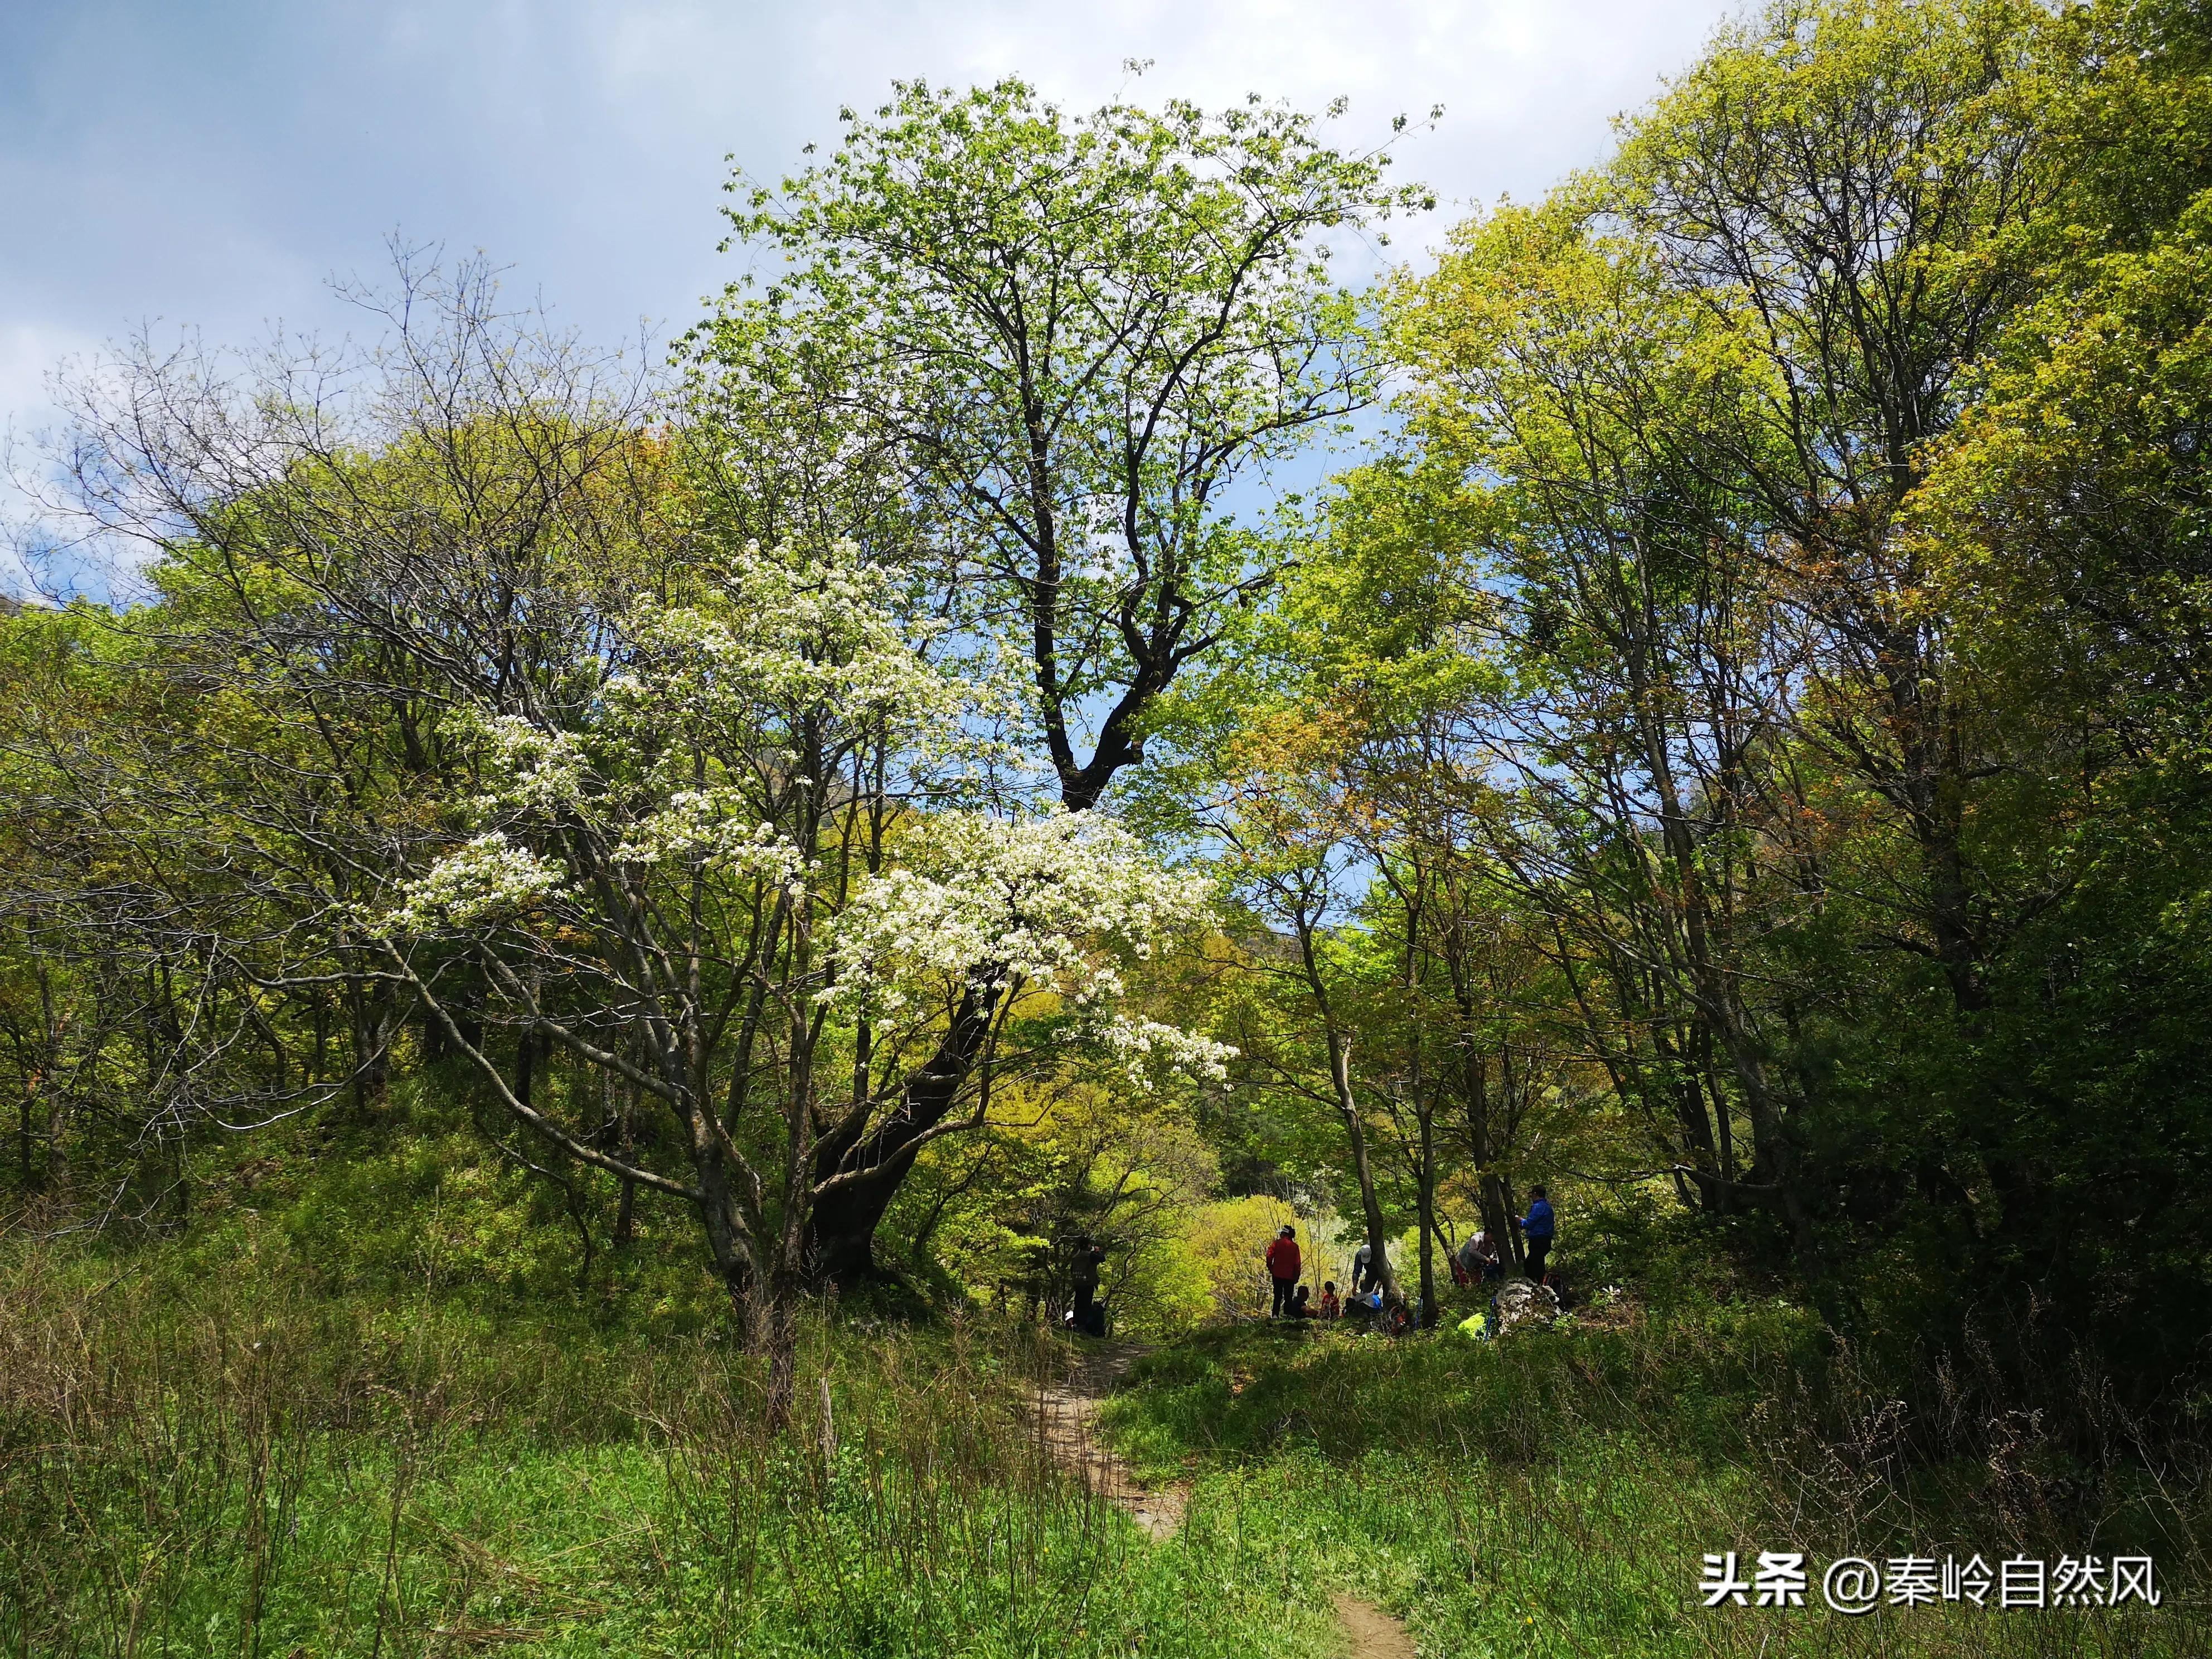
(30,350)
(209,164)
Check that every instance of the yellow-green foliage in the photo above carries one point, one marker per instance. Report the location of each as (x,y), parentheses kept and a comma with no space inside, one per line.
(1069,1157)
(1169,1292)
(1224,1246)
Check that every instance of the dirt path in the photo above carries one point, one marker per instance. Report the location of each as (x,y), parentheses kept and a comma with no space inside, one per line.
(1067,1416)
(1374,1633)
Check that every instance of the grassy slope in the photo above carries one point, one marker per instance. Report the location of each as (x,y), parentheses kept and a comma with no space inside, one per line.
(1553,1493)
(205,1464)
(363,1409)
(198,1463)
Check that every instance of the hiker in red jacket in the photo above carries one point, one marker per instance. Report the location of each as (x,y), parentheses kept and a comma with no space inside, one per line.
(1284,1266)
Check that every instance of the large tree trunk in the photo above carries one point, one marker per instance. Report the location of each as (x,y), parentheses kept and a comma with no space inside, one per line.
(1482,1149)
(771,1328)
(870,1168)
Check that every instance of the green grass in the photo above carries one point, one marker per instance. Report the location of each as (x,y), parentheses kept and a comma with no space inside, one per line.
(205,1451)
(1554,1494)
(208,1465)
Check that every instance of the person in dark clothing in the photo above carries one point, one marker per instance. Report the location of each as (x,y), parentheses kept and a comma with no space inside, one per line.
(1300,1307)
(1089,1318)
(1284,1264)
(1365,1274)
(1536,1229)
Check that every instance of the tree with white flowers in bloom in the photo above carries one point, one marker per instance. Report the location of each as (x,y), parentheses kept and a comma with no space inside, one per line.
(751,879)
(476,716)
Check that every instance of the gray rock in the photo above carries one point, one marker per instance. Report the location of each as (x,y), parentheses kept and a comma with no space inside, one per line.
(1522,1305)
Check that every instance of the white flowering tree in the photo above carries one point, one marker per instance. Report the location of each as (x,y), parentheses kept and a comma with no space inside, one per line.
(750,873)
(453,708)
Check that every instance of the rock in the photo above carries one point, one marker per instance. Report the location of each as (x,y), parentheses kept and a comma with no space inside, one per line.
(1522,1305)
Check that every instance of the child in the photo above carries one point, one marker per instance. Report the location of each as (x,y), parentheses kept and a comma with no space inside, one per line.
(1330,1307)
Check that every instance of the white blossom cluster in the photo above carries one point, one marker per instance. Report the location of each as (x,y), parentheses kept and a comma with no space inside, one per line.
(783,637)
(529,767)
(715,825)
(488,877)
(1038,905)
(689,759)
(1145,1048)
(671,764)
(1025,898)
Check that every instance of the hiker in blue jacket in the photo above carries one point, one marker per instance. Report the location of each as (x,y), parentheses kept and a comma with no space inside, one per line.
(1536,1229)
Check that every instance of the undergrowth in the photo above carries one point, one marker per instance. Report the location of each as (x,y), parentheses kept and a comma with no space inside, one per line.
(201,1465)
(207,1450)
(1555,1491)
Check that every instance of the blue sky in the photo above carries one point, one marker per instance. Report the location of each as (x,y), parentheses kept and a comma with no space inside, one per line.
(214,162)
